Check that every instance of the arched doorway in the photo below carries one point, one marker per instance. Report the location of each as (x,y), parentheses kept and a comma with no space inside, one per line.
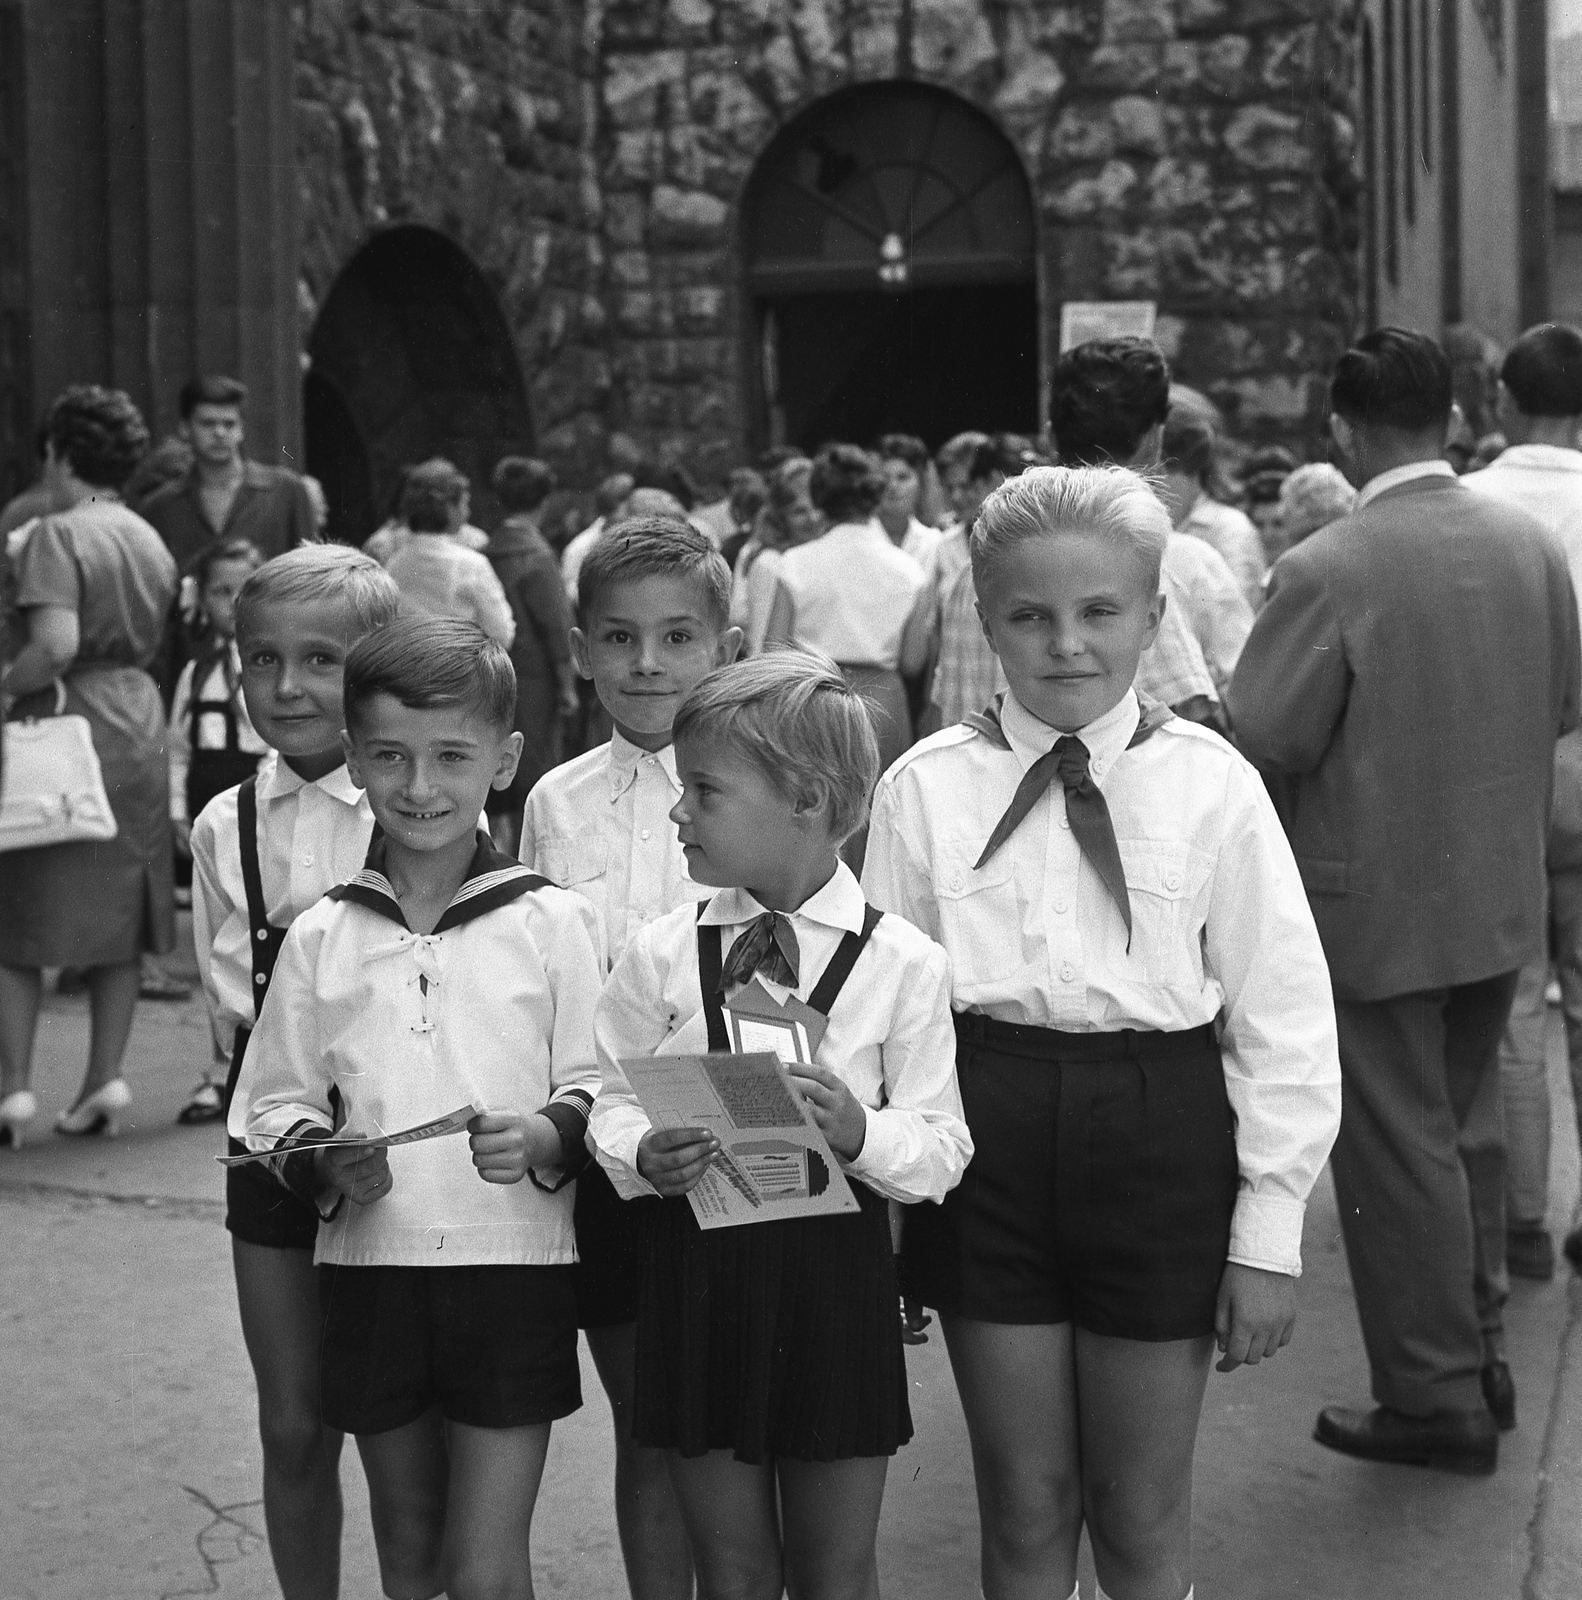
(891,265)
(410,357)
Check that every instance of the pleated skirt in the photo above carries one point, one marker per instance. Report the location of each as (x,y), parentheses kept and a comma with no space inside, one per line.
(771,1339)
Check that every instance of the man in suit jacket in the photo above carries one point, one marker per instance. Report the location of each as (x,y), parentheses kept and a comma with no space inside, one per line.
(1409,676)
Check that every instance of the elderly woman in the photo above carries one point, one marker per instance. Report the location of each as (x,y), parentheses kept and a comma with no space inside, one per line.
(95,584)
(1312,497)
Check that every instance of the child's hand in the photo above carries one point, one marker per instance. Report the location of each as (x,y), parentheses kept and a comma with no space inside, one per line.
(674,1159)
(505,1144)
(362,1175)
(835,1108)
(1254,1315)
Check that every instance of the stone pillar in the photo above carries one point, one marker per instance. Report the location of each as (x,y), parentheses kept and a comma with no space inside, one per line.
(161,205)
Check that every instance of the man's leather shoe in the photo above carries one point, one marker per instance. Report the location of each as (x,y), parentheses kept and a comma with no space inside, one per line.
(1530,1253)
(1499,1394)
(1452,1441)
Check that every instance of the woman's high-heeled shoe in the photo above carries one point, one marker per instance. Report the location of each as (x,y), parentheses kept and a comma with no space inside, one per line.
(99,1112)
(16,1111)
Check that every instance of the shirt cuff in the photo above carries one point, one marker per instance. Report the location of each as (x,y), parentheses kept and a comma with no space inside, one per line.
(873,1158)
(1266,1232)
(296,1171)
(570,1117)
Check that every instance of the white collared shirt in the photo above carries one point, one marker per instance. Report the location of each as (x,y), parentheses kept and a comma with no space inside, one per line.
(1216,610)
(311,836)
(920,542)
(1220,925)
(890,1036)
(210,730)
(600,825)
(496,1011)
(852,592)
(1546,481)
(1231,534)
(1396,476)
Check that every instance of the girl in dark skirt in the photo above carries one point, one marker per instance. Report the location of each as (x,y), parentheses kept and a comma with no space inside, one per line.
(769,1357)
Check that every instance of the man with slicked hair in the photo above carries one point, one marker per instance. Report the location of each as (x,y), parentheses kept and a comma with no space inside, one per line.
(1539,408)
(1409,676)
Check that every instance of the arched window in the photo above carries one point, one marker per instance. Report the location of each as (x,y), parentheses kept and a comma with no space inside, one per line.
(890,255)
(410,357)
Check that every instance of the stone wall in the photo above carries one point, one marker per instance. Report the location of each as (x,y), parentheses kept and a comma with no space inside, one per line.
(476,119)
(592,159)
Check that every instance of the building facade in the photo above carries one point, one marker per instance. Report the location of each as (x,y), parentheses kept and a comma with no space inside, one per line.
(692,228)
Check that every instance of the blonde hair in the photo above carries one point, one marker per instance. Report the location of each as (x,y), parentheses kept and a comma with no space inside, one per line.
(793,715)
(1113,501)
(313,572)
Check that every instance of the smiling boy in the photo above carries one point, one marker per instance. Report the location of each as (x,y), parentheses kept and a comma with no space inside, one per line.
(653,621)
(1145,1038)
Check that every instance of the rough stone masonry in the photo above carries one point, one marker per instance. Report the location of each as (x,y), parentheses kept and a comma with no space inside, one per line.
(591,158)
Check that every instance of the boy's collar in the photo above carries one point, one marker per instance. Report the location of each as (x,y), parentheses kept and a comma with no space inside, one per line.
(839,904)
(624,759)
(277,777)
(1106,736)
(493,880)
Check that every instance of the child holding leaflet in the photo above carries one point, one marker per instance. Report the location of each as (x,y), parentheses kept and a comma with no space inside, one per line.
(262,853)
(769,1357)
(1108,880)
(653,598)
(443,973)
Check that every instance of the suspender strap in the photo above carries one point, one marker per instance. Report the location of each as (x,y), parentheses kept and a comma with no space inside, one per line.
(834,976)
(825,992)
(264,941)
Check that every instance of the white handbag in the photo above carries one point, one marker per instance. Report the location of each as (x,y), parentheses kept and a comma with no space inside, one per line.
(52,787)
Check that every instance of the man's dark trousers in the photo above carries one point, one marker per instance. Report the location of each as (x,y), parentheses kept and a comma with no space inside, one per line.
(1420,1137)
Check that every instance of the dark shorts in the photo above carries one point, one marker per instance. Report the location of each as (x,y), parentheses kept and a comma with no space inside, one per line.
(492,1347)
(610,1266)
(259,1209)
(1101,1187)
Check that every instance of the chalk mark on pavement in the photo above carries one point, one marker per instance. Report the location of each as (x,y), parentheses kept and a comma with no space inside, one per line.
(221,1542)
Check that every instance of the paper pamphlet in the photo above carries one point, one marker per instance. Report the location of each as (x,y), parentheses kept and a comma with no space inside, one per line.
(773,1161)
(758,1022)
(441,1127)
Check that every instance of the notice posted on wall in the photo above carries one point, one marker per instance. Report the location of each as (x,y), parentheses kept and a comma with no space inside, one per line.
(1084,320)
(773,1161)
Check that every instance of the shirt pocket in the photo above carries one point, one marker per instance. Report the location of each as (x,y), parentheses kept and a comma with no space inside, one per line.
(1164,883)
(573,859)
(980,917)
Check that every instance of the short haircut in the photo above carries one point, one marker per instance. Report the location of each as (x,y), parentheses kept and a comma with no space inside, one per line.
(1105,396)
(1189,442)
(214,390)
(98,432)
(1312,497)
(789,481)
(645,501)
(1543,371)
(1113,501)
(1393,378)
(224,550)
(427,662)
(847,483)
(960,450)
(792,714)
(654,547)
(430,493)
(314,572)
(905,447)
(613,492)
(746,494)
(523,483)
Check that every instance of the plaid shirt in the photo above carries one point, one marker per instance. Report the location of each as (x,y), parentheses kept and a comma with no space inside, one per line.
(968,675)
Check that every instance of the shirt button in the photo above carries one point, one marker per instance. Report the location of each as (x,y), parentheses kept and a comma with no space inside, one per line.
(645,833)
(262,936)
(1067,973)
(642,916)
(957,882)
(1173,881)
(1060,908)
(307,860)
(1065,822)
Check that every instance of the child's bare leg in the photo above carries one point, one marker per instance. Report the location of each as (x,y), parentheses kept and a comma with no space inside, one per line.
(1139,1405)
(647,1514)
(282,1325)
(494,1478)
(829,1518)
(407,1470)
(733,1524)
(1018,1390)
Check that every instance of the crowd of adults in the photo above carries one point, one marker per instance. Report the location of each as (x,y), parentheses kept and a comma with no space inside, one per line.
(1389,635)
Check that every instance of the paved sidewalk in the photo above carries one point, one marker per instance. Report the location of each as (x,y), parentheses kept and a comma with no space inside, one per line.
(129,1463)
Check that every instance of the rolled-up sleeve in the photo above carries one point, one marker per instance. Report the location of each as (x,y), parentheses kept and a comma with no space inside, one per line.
(1281,1058)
